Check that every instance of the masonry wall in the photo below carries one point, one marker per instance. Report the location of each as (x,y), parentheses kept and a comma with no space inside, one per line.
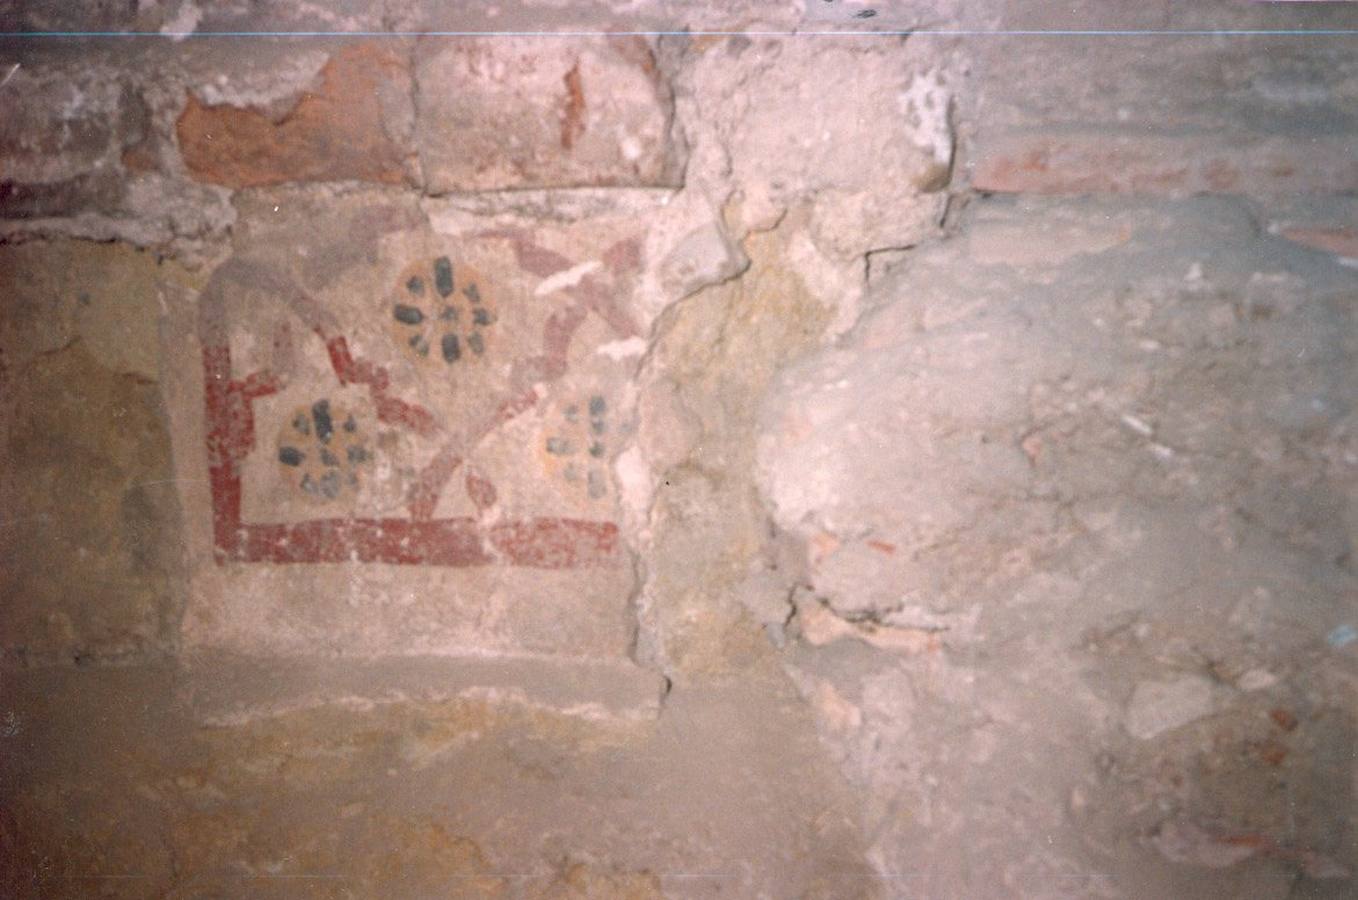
(989,388)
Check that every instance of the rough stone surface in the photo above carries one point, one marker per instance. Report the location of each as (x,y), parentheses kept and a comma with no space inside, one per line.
(782,134)
(1023,482)
(990,402)
(707,563)
(1159,706)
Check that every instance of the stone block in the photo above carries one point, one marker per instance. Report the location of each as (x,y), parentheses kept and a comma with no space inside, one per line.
(88,533)
(855,131)
(397,425)
(534,112)
(351,125)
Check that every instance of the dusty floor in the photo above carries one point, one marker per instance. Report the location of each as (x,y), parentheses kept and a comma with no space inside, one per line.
(726,794)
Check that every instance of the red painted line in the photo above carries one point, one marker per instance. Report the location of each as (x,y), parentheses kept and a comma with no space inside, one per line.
(231,434)
(544,543)
(556,543)
(516,405)
(428,487)
(481,491)
(445,542)
(389,409)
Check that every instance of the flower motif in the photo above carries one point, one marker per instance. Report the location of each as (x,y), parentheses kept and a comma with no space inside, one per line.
(440,313)
(577,449)
(321,451)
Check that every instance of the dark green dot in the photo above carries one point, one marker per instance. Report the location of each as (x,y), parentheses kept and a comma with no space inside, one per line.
(449,314)
(443,276)
(290,456)
(357,454)
(330,485)
(560,447)
(350,425)
(407,315)
(329,458)
(415,285)
(482,316)
(451,350)
(473,294)
(474,341)
(597,407)
(596,450)
(320,414)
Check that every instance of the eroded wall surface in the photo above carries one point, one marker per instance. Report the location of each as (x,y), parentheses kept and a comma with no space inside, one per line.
(916,443)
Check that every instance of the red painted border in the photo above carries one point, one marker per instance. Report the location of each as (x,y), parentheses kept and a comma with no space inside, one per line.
(544,542)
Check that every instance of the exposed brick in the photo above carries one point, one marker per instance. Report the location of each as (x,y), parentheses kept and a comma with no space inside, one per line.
(342,130)
(1163,165)
(538,113)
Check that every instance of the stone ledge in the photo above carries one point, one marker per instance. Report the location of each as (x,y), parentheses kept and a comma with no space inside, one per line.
(228,689)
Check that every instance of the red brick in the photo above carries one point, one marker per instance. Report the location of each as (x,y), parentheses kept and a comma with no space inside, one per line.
(1163,165)
(335,132)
